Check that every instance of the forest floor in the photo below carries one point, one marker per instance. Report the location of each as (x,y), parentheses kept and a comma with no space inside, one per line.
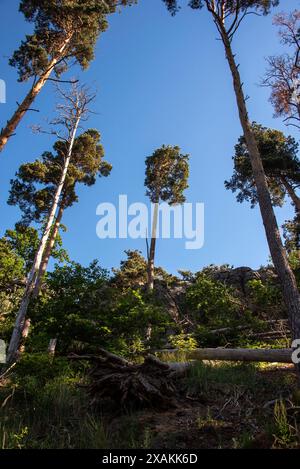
(220,405)
(226,406)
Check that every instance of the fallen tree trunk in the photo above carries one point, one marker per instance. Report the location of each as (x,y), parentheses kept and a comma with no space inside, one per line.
(152,383)
(238,354)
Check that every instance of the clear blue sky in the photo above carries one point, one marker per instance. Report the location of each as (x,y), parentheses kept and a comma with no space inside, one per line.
(160,80)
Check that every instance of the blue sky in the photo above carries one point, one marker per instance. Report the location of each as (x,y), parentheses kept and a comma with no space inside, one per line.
(160,80)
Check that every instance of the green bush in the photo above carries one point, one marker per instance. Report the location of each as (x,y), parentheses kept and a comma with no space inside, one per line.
(264,294)
(35,370)
(211,302)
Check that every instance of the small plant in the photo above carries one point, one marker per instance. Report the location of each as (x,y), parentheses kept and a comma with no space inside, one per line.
(284,433)
(183,341)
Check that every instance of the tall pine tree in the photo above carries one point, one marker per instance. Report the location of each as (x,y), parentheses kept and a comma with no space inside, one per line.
(227,16)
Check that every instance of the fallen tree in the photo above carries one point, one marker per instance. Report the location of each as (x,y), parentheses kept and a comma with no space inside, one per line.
(150,384)
(238,354)
(153,382)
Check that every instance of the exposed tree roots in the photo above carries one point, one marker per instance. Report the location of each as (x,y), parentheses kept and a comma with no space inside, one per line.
(150,384)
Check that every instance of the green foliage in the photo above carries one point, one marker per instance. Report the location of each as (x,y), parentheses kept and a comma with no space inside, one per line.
(36,369)
(204,377)
(34,187)
(73,24)
(265,294)
(11,264)
(50,416)
(230,7)
(67,308)
(167,172)
(12,273)
(211,302)
(183,341)
(280,160)
(285,434)
(84,311)
(133,272)
(24,242)
(291,234)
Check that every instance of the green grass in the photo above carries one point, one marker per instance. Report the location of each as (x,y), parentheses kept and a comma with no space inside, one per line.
(42,406)
(56,416)
(203,376)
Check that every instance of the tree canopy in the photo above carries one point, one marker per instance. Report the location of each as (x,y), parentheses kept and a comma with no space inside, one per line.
(78,21)
(167,172)
(281,163)
(228,6)
(35,184)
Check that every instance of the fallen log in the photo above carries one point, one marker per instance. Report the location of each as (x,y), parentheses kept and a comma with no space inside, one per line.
(238,354)
(152,383)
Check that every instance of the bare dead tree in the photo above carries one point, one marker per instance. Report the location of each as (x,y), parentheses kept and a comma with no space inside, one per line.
(73,110)
(283,73)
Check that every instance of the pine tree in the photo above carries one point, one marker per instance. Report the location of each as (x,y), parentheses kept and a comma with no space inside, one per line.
(167,172)
(281,163)
(35,184)
(65,33)
(227,16)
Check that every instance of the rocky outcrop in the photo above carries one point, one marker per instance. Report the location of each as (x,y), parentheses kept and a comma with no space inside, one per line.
(240,276)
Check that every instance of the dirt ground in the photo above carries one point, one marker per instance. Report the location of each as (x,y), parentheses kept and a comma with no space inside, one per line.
(225,415)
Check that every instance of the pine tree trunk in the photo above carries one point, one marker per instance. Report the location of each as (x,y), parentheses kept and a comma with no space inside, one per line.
(295,199)
(19,324)
(9,130)
(150,272)
(278,253)
(47,253)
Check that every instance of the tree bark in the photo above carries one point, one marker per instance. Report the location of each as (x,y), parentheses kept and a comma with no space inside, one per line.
(150,270)
(20,319)
(9,130)
(290,190)
(47,253)
(278,253)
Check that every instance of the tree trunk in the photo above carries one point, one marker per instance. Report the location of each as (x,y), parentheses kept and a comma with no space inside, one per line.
(150,270)
(19,324)
(290,190)
(238,354)
(52,347)
(278,253)
(47,253)
(25,333)
(9,130)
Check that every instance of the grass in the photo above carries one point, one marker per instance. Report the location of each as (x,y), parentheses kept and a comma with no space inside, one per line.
(224,406)
(202,376)
(58,416)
